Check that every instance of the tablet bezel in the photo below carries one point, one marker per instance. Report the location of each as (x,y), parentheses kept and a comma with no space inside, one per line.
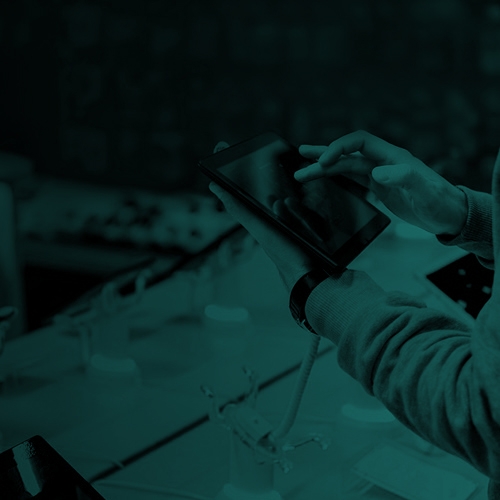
(344,254)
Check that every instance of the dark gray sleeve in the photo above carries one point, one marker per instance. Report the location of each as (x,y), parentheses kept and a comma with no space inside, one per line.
(436,375)
(476,236)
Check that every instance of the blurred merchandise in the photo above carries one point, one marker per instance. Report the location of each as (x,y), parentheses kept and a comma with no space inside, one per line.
(138,223)
(74,237)
(11,283)
(7,316)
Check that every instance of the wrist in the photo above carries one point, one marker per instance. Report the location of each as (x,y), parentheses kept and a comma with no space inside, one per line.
(460,212)
(291,276)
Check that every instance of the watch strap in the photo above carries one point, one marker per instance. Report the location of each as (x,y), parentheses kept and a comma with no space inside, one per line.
(300,293)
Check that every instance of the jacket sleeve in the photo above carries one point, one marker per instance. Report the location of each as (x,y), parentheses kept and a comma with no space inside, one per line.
(435,374)
(476,236)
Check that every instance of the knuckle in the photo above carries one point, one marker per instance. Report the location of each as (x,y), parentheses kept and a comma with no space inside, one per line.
(406,168)
(403,153)
(362,134)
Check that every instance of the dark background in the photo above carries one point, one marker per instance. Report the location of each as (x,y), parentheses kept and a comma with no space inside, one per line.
(133,92)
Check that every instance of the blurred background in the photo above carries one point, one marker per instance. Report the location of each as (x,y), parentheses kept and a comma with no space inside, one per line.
(106,106)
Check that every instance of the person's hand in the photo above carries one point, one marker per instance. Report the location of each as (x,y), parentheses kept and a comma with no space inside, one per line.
(408,188)
(292,262)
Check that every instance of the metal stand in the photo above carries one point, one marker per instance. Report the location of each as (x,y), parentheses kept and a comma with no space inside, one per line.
(249,478)
(104,332)
(254,451)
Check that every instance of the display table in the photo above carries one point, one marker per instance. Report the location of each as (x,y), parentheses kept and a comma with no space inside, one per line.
(157,432)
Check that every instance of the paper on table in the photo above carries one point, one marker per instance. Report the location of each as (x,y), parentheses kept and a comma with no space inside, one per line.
(411,478)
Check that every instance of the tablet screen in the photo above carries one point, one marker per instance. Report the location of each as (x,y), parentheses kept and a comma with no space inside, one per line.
(35,470)
(466,282)
(320,211)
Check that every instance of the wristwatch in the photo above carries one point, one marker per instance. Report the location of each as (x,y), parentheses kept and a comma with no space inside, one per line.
(300,293)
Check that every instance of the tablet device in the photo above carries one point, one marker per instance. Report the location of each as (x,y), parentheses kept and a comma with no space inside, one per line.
(328,217)
(33,469)
(465,281)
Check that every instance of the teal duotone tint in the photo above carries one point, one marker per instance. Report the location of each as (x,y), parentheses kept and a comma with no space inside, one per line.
(148,337)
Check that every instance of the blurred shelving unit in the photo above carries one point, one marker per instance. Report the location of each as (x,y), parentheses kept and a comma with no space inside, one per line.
(134,93)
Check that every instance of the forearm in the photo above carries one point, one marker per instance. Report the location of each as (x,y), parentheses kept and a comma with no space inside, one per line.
(420,363)
(476,235)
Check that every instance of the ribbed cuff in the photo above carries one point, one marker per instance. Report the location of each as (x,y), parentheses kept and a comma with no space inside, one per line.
(336,302)
(478,227)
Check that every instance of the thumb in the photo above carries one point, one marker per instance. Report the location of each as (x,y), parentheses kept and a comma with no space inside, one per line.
(394,175)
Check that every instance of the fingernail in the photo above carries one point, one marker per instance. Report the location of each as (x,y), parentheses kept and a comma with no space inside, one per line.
(307,173)
(221,145)
(300,175)
(379,175)
(214,188)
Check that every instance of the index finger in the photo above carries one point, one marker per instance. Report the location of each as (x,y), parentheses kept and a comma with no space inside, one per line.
(312,152)
(368,145)
(353,164)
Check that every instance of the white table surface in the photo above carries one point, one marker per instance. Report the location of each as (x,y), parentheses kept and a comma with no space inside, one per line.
(198,461)
(99,430)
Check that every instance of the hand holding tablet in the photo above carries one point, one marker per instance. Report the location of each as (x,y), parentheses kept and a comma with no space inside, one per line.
(327,218)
